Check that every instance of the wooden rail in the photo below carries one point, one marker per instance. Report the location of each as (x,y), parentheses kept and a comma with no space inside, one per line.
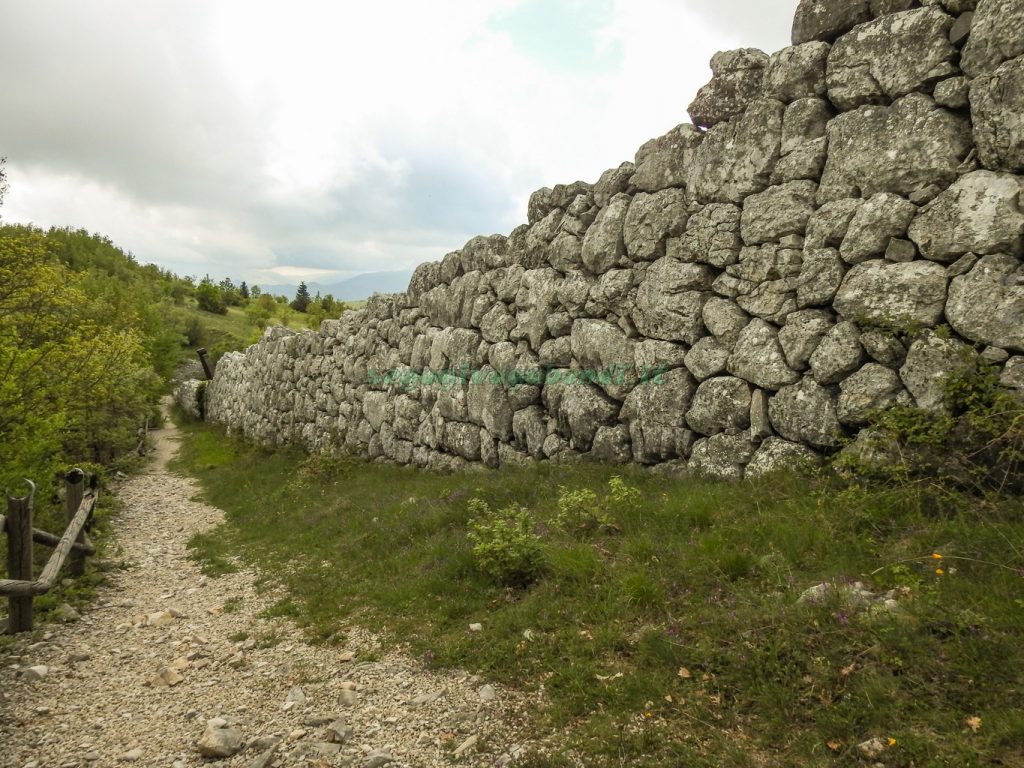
(21,588)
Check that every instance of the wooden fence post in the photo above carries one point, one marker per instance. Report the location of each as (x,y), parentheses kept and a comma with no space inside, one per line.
(74,483)
(19,558)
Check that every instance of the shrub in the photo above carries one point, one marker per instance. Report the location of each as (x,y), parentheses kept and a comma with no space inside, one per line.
(505,546)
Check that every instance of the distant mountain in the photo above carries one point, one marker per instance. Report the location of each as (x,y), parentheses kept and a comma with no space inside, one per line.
(353,289)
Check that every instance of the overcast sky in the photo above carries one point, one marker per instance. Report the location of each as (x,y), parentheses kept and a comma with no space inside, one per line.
(279,141)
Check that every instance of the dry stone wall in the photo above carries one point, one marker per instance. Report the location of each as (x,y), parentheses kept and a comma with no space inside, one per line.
(736,298)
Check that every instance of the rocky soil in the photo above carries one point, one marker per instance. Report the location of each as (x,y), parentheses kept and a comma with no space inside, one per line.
(171,668)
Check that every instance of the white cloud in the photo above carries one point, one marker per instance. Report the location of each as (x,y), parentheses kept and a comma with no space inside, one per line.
(257,139)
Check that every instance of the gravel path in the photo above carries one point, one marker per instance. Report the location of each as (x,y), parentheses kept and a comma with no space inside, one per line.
(167,664)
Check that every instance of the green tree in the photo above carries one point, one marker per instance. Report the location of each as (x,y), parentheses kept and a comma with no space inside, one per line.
(301,301)
(243,290)
(210,298)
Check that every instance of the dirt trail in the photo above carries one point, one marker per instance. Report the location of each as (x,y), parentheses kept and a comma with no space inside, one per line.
(164,650)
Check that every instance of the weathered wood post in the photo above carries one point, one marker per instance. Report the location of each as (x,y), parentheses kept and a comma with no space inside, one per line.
(206,364)
(19,558)
(74,485)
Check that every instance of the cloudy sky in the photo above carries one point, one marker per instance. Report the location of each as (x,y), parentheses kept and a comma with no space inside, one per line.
(279,141)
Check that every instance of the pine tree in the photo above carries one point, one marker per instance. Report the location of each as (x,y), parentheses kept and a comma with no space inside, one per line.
(244,290)
(301,301)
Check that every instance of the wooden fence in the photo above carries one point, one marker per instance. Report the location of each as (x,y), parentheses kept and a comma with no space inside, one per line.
(20,588)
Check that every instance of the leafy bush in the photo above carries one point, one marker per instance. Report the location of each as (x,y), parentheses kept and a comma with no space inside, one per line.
(505,546)
(976,444)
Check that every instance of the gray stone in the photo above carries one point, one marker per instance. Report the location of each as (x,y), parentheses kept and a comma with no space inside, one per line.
(803,122)
(829,224)
(653,354)
(796,72)
(900,149)
(961,29)
(805,163)
(778,455)
(980,214)
(890,57)
(604,246)
(735,83)
(900,251)
(713,236)
(881,218)
(530,430)
(707,358)
(828,19)
(884,348)
(908,295)
(953,93)
(806,413)
(656,412)
(997,34)
(721,456)
(871,389)
(604,350)
(612,445)
(997,109)
(758,357)
(220,743)
(986,305)
(665,162)
(670,300)
(613,182)
(736,159)
(725,320)
(721,404)
(582,410)
(931,360)
(377,759)
(778,211)
(1012,376)
(838,355)
(821,274)
(801,336)
(760,423)
(651,220)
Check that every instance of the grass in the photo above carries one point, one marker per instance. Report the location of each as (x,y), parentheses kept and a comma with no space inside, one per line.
(669,632)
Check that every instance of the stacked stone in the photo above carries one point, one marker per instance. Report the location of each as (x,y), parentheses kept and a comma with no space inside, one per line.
(762,260)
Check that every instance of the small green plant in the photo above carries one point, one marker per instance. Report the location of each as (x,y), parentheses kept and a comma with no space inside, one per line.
(624,496)
(505,546)
(579,511)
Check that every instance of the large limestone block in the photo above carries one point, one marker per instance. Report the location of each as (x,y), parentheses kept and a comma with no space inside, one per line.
(881,218)
(778,211)
(613,182)
(902,149)
(725,320)
(605,245)
(890,57)
(802,334)
(665,162)
(581,411)
(707,358)
(759,359)
(656,412)
(931,360)
(806,413)
(986,305)
(670,300)
(997,108)
(839,354)
(720,404)
(736,159)
(828,19)
(713,236)
(821,275)
(603,350)
(911,294)
(722,456)
(797,72)
(778,455)
(651,220)
(997,34)
(536,300)
(871,389)
(981,214)
(735,83)
(803,123)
